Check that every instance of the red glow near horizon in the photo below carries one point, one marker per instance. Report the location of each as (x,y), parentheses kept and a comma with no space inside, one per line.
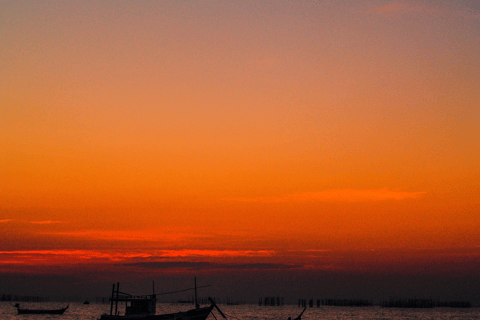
(298,137)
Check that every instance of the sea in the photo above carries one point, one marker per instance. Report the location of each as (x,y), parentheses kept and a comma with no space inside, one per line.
(92,311)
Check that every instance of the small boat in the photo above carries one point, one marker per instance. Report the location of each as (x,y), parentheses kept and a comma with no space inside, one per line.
(40,311)
(144,308)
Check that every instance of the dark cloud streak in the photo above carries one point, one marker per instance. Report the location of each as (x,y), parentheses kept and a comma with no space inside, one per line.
(210,265)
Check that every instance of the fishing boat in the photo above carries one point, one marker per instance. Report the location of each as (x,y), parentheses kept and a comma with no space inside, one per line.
(40,311)
(144,308)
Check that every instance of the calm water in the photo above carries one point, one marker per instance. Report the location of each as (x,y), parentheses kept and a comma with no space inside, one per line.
(79,311)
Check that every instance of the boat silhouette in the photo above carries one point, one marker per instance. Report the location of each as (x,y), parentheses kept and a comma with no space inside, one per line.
(21,310)
(144,308)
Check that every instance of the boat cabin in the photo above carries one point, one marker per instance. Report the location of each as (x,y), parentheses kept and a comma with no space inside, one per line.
(134,305)
(140,305)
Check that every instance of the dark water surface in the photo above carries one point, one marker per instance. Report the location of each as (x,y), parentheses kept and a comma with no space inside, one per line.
(92,311)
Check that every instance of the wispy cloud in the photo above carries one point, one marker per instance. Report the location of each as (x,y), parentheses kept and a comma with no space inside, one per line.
(77,253)
(348,195)
(45,222)
(128,235)
(69,256)
(216,253)
(6,220)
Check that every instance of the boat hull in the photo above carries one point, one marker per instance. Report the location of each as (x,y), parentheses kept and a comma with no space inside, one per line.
(194,314)
(41,311)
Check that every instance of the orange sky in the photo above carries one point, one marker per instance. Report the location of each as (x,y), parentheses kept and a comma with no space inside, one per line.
(318,135)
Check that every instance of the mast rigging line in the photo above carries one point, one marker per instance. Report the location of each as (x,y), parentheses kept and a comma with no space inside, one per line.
(159,294)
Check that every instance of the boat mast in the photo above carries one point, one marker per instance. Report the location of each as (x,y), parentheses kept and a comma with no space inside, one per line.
(111,304)
(116,300)
(196,304)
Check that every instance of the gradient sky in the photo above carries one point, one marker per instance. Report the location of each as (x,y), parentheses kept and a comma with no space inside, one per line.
(275,140)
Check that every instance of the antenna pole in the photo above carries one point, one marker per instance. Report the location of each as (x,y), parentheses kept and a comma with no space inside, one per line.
(196,304)
(116,300)
(111,305)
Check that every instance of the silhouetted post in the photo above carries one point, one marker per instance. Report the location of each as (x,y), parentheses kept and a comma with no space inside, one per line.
(116,301)
(111,304)
(196,304)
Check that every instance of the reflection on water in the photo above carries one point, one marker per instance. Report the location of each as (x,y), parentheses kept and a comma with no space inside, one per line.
(92,311)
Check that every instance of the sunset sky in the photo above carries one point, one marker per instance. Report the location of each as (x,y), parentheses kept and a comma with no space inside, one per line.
(332,147)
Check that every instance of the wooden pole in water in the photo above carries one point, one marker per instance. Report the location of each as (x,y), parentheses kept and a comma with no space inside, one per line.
(111,304)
